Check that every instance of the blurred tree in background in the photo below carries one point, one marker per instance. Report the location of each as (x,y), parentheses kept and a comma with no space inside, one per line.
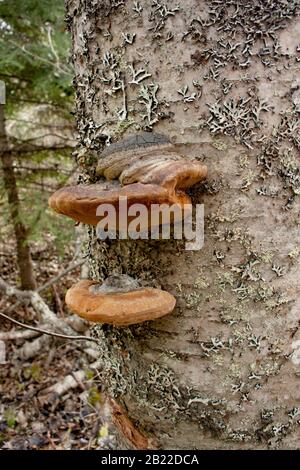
(36,126)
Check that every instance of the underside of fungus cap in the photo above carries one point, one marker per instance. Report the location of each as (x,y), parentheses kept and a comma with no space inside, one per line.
(80,202)
(118,301)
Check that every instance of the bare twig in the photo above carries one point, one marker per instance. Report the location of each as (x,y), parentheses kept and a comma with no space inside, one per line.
(59,276)
(49,36)
(71,381)
(46,315)
(46,332)
(37,57)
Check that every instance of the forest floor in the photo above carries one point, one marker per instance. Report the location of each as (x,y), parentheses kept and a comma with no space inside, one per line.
(32,416)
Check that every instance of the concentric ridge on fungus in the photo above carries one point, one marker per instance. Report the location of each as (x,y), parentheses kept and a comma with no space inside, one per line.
(144,139)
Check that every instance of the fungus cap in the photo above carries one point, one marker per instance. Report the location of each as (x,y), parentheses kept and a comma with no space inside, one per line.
(80,202)
(151,159)
(118,306)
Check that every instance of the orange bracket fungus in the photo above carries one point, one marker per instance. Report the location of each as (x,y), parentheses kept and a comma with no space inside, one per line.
(145,169)
(119,300)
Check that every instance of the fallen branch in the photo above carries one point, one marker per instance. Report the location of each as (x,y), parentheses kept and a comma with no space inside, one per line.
(12,335)
(92,352)
(2,353)
(46,332)
(73,380)
(13,291)
(31,349)
(46,315)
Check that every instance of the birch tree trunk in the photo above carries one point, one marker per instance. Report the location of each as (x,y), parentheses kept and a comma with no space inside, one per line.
(221,80)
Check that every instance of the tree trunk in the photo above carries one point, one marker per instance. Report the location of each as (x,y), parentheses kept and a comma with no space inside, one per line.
(222,371)
(23,249)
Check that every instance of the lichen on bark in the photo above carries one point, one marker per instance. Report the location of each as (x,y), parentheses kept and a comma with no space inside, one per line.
(220,80)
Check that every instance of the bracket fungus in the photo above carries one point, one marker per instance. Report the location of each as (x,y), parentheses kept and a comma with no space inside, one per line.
(144,169)
(119,300)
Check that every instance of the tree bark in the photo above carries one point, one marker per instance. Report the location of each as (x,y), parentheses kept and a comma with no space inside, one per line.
(27,277)
(222,371)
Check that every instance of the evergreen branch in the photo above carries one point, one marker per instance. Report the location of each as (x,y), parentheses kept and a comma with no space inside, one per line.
(49,37)
(18,77)
(37,57)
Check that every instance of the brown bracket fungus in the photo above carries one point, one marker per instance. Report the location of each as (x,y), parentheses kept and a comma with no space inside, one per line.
(145,168)
(119,300)
(80,202)
(150,158)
